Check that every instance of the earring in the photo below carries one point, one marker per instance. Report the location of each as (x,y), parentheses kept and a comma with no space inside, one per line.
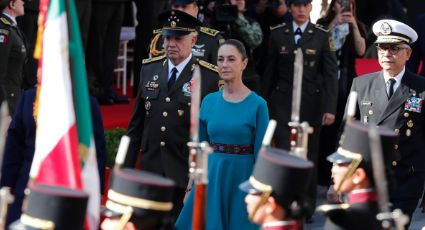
(356,181)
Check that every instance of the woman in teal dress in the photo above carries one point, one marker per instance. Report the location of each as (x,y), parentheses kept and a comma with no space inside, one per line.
(233,120)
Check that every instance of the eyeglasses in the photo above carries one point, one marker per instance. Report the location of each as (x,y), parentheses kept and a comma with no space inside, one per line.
(393,49)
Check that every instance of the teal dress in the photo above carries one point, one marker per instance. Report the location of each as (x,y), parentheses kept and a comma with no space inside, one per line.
(240,123)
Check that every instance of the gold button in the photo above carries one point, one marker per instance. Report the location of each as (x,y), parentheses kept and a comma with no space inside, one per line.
(180,112)
(408,132)
(410,124)
(395,146)
(167,99)
(188,103)
(162,144)
(394,163)
(406,114)
(164,114)
(396,131)
(370,112)
(163,128)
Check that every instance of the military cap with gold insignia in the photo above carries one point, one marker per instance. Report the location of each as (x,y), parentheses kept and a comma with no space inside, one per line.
(177,23)
(392,31)
(139,193)
(53,207)
(355,148)
(281,175)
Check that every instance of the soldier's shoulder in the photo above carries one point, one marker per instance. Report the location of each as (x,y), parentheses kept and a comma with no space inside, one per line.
(206,65)
(208,31)
(333,209)
(281,25)
(322,28)
(153,60)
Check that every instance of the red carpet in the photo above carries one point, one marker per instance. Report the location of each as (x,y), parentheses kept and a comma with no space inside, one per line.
(118,116)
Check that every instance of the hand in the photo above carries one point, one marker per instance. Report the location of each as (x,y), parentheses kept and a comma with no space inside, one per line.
(347,17)
(328,119)
(332,196)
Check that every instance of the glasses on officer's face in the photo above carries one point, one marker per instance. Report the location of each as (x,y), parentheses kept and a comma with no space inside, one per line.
(393,49)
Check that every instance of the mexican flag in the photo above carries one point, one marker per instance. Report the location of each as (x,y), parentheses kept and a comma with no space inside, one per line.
(64,149)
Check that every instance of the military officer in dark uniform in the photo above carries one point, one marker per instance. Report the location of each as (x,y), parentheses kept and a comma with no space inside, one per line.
(138,200)
(160,122)
(276,190)
(13,53)
(394,98)
(206,46)
(53,207)
(352,174)
(319,79)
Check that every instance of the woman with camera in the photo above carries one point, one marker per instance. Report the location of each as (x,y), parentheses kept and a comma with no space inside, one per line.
(349,37)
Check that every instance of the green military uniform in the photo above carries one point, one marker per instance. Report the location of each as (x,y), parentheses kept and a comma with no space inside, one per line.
(206,46)
(12,59)
(319,83)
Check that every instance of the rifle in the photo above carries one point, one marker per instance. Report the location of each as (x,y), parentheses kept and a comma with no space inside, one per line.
(5,195)
(299,131)
(198,157)
(389,220)
(351,108)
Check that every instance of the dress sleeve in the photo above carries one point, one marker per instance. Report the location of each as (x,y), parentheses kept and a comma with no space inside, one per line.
(261,126)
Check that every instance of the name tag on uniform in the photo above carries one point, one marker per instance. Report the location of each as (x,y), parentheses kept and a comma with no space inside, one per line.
(310,51)
(413,104)
(366,103)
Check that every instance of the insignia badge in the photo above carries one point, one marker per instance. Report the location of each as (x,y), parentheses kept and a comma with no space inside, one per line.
(3,39)
(199,46)
(410,124)
(283,50)
(197,52)
(151,85)
(193,67)
(310,31)
(155,77)
(147,105)
(385,29)
(413,104)
(173,24)
(187,88)
(310,51)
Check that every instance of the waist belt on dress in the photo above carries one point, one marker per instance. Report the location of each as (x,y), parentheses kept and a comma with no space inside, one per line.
(232,149)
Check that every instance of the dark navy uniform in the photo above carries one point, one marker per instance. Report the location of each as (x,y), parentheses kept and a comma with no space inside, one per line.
(404,113)
(12,59)
(206,46)
(319,81)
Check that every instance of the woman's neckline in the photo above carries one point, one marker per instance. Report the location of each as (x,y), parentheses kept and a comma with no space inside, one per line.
(235,102)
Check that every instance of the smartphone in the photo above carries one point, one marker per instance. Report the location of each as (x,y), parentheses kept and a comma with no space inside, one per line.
(346,5)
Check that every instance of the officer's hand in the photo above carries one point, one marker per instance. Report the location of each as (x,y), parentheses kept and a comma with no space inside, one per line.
(332,196)
(328,119)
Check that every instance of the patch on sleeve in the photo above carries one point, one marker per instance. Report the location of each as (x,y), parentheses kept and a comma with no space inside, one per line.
(3,39)
(331,44)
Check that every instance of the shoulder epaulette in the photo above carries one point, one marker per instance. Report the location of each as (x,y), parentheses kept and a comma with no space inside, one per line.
(209,31)
(154,59)
(322,28)
(277,26)
(332,207)
(208,65)
(5,21)
(157,31)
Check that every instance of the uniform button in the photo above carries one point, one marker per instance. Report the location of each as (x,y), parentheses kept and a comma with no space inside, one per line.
(162,144)
(12,94)
(167,99)
(163,128)
(406,114)
(189,103)
(164,114)
(180,112)
(395,147)
(408,132)
(394,163)
(370,112)
(396,130)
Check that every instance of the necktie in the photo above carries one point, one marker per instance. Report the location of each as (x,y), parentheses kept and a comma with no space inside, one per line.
(298,34)
(391,87)
(172,78)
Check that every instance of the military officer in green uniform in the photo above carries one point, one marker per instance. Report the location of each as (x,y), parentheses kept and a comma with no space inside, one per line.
(13,53)
(208,39)
(319,81)
(159,126)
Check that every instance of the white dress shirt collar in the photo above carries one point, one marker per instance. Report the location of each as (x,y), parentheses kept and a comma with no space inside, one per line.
(302,27)
(397,78)
(179,67)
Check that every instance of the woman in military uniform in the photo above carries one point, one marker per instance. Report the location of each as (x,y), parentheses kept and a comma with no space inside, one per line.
(13,52)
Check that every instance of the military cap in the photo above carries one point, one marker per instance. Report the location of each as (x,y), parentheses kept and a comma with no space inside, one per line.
(182,2)
(146,193)
(53,207)
(283,175)
(177,23)
(392,31)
